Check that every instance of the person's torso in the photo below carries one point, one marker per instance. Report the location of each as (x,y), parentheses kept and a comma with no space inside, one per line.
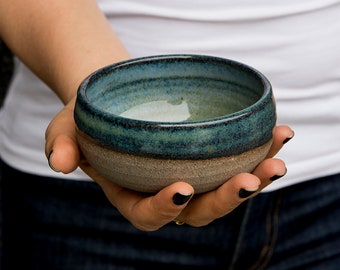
(295,44)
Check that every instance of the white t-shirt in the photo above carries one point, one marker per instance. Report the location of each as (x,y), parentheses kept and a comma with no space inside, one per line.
(294,43)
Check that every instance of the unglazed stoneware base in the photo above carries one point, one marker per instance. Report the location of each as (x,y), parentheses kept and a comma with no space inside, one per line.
(150,175)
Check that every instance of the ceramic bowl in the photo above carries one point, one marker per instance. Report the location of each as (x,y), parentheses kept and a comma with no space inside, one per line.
(148,122)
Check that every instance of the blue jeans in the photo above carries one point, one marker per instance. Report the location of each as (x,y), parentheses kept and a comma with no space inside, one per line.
(52,224)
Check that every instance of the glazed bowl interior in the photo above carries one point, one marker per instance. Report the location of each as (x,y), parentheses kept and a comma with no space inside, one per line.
(180,90)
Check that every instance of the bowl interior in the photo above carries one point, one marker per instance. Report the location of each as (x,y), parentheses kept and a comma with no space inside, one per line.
(175,89)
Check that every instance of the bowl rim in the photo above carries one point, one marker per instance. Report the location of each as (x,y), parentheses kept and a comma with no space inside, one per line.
(206,138)
(267,92)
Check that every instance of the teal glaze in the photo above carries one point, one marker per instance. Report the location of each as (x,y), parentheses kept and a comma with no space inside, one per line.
(231,105)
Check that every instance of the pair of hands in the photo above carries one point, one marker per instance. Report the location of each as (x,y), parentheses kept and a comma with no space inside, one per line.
(48,56)
(175,202)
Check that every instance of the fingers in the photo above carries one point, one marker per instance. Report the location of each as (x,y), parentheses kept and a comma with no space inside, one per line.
(270,170)
(153,212)
(281,135)
(61,146)
(149,213)
(204,208)
(145,211)
(207,207)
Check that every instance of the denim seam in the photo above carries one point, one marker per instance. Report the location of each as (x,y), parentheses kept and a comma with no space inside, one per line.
(271,237)
(239,242)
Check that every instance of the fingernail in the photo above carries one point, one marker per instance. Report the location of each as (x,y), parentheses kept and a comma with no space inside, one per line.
(180,199)
(288,138)
(275,177)
(243,193)
(49,162)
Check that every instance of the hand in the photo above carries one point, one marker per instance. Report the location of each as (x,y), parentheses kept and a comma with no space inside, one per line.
(175,202)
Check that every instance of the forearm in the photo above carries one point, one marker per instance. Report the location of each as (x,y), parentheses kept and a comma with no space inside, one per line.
(60,41)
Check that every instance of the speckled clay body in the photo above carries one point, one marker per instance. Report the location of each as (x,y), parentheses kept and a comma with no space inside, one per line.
(147,174)
(148,122)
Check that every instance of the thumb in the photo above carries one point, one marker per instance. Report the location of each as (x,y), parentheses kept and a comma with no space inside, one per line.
(61,147)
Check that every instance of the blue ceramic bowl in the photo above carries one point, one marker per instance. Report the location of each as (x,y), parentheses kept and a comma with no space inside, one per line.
(148,122)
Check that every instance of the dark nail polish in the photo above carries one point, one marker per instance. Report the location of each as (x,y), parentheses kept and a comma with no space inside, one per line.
(275,177)
(49,162)
(288,139)
(243,193)
(180,199)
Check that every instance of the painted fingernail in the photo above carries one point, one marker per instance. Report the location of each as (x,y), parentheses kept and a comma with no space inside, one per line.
(49,162)
(275,177)
(288,138)
(180,199)
(243,193)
